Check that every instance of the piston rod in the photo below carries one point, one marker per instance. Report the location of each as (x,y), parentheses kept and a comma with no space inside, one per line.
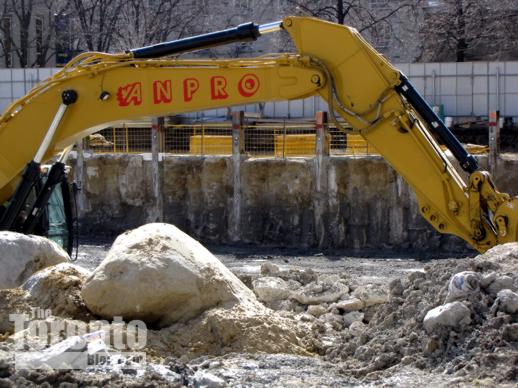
(243,33)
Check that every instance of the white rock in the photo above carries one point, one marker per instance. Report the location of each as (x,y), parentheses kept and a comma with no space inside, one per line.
(353,316)
(510,332)
(333,320)
(396,287)
(352,304)
(203,379)
(487,279)
(500,283)
(23,255)
(293,284)
(160,275)
(371,295)
(270,269)
(329,290)
(269,289)
(329,278)
(507,301)
(316,310)
(286,305)
(215,364)
(306,317)
(454,314)
(463,285)
(357,328)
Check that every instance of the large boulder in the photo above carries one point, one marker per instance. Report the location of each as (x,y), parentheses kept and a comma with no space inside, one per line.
(23,255)
(161,275)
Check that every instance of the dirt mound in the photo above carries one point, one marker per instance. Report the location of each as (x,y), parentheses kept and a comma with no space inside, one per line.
(395,336)
(221,331)
(11,301)
(501,257)
(58,288)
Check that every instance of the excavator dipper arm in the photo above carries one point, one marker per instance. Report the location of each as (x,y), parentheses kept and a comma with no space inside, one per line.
(382,105)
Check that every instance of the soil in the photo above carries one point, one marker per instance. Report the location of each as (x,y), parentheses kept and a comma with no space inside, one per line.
(391,349)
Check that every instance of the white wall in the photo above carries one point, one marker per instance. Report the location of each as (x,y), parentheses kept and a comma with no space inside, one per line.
(15,83)
(467,89)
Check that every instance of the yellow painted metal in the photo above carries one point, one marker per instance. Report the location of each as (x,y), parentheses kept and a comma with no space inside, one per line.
(473,149)
(364,82)
(333,61)
(210,145)
(296,145)
(140,88)
(357,145)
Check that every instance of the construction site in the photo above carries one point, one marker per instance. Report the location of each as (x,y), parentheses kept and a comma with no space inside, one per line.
(321,218)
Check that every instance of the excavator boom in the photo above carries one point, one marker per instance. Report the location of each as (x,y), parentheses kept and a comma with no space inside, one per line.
(95,90)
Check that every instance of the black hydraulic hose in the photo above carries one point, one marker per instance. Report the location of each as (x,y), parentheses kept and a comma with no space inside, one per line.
(436,126)
(69,217)
(18,200)
(243,33)
(54,177)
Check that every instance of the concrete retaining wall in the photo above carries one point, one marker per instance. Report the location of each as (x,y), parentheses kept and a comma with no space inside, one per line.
(345,203)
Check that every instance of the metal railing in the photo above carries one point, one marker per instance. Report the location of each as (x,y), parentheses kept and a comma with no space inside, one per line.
(197,139)
(278,139)
(120,140)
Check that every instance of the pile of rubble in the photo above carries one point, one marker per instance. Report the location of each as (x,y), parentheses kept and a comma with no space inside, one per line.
(330,302)
(455,317)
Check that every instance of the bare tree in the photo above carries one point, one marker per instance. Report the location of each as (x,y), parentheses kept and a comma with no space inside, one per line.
(23,14)
(360,14)
(96,22)
(6,26)
(27,31)
(462,30)
(47,44)
(243,11)
(145,22)
(380,21)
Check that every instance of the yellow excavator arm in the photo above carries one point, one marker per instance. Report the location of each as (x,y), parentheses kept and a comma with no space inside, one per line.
(96,89)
